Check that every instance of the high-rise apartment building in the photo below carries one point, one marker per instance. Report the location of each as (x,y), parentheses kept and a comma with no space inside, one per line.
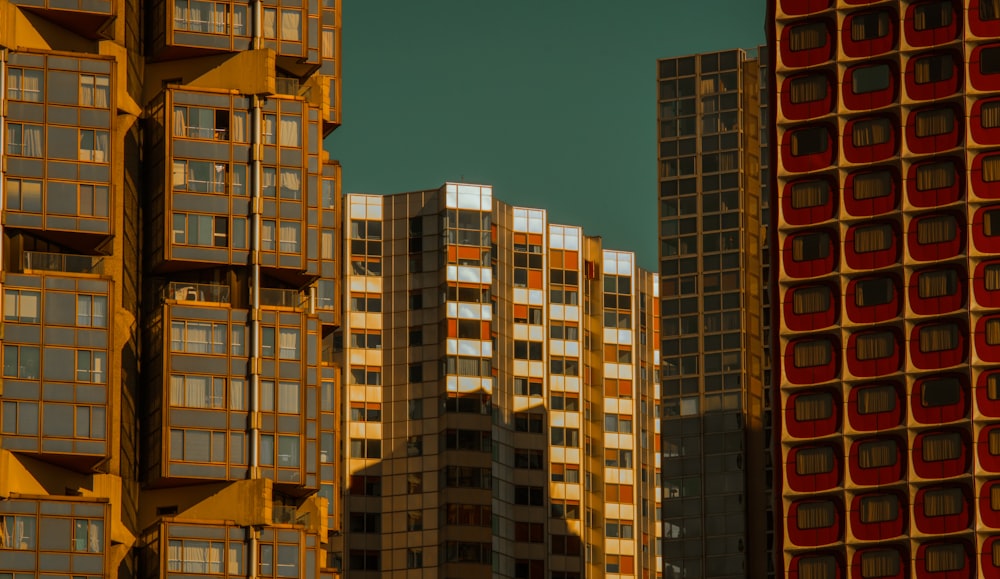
(711,283)
(169,272)
(886,162)
(501,393)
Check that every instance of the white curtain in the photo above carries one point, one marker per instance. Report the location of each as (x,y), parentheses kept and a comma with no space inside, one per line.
(237,394)
(268,176)
(220,18)
(291,25)
(197,338)
(238,127)
(240,20)
(267,235)
(266,396)
(269,128)
(288,344)
(290,131)
(177,390)
(328,43)
(289,241)
(270,23)
(288,394)
(32,141)
(175,556)
(197,392)
(291,184)
(326,245)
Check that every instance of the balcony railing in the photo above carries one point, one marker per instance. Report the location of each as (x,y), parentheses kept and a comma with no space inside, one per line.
(64,262)
(197,292)
(282,298)
(284,85)
(286,515)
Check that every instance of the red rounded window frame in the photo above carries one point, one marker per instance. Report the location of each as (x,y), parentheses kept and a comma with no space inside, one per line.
(987,515)
(813,320)
(875,99)
(938,89)
(983,242)
(813,214)
(978,80)
(984,350)
(962,573)
(809,109)
(793,565)
(940,524)
(804,7)
(937,143)
(877,259)
(809,483)
(812,374)
(904,560)
(875,421)
(932,37)
(873,47)
(938,469)
(987,461)
(935,251)
(985,297)
(881,475)
(980,186)
(870,153)
(941,304)
(934,196)
(811,56)
(864,314)
(986,406)
(808,162)
(980,134)
(879,530)
(812,428)
(944,413)
(812,267)
(818,536)
(980,27)
(871,206)
(943,358)
(874,367)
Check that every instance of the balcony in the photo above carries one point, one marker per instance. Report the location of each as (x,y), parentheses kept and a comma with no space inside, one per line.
(283,298)
(63,262)
(197,292)
(88,18)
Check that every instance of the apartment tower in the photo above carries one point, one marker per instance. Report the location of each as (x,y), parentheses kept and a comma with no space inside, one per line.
(886,162)
(501,394)
(168,207)
(711,287)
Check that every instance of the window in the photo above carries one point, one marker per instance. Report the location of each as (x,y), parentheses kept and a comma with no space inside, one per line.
(198,445)
(872,185)
(359,560)
(209,17)
(291,184)
(817,567)
(810,461)
(365,522)
(564,509)
(810,246)
(200,176)
(366,485)
(815,515)
(989,10)
(805,89)
(938,447)
(21,305)
(529,459)
(809,141)
(288,343)
(810,300)
(565,545)
(20,362)
(935,284)
(364,448)
(875,346)
(877,454)
(526,387)
(529,532)
(94,90)
(807,194)
(529,495)
(932,69)
(18,532)
(93,145)
(807,36)
(24,195)
(879,563)
(940,392)
(200,230)
(876,400)
(938,337)
(879,508)
(25,84)
(528,422)
(619,529)
(91,366)
(624,564)
(283,24)
(24,140)
(870,132)
(617,458)
(867,79)
(813,407)
(935,176)
(88,535)
(943,557)
(290,232)
(414,558)
(807,354)
(873,238)
(91,311)
(869,26)
(931,16)
(561,436)
(943,502)
(935,122)
(197,337)
(873,292)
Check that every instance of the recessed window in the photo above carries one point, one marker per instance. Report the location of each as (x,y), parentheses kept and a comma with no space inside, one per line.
(935,122)
(943,502)
(879,508)
(819,566)
(871,132)
(989,60)
(809,141)
(991,167)
(812,353)
(938,447)
(877,453)
(931,16)
(807,89)
(991,277)
(866,79)
(873,292)
(994,442)
(993,332)
(940,392)
(877,399)
(938,337)
(872,185)
(991,223)
(989,114)
(875,346)
(816,515)
(936,284)
(811,407)
(811,246)
(941,229)
(935,176)
(989,10)
(935,68)
(809,461)
(811,300)
(807,194)
(807,36)
(941,558)
(869,26)
(872,238)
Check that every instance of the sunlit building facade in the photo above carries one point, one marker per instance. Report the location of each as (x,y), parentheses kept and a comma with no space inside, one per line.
(711,285)
(169,208)
(501,393)
(885,141)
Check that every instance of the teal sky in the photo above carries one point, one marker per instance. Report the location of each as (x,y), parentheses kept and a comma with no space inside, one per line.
(550,101)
